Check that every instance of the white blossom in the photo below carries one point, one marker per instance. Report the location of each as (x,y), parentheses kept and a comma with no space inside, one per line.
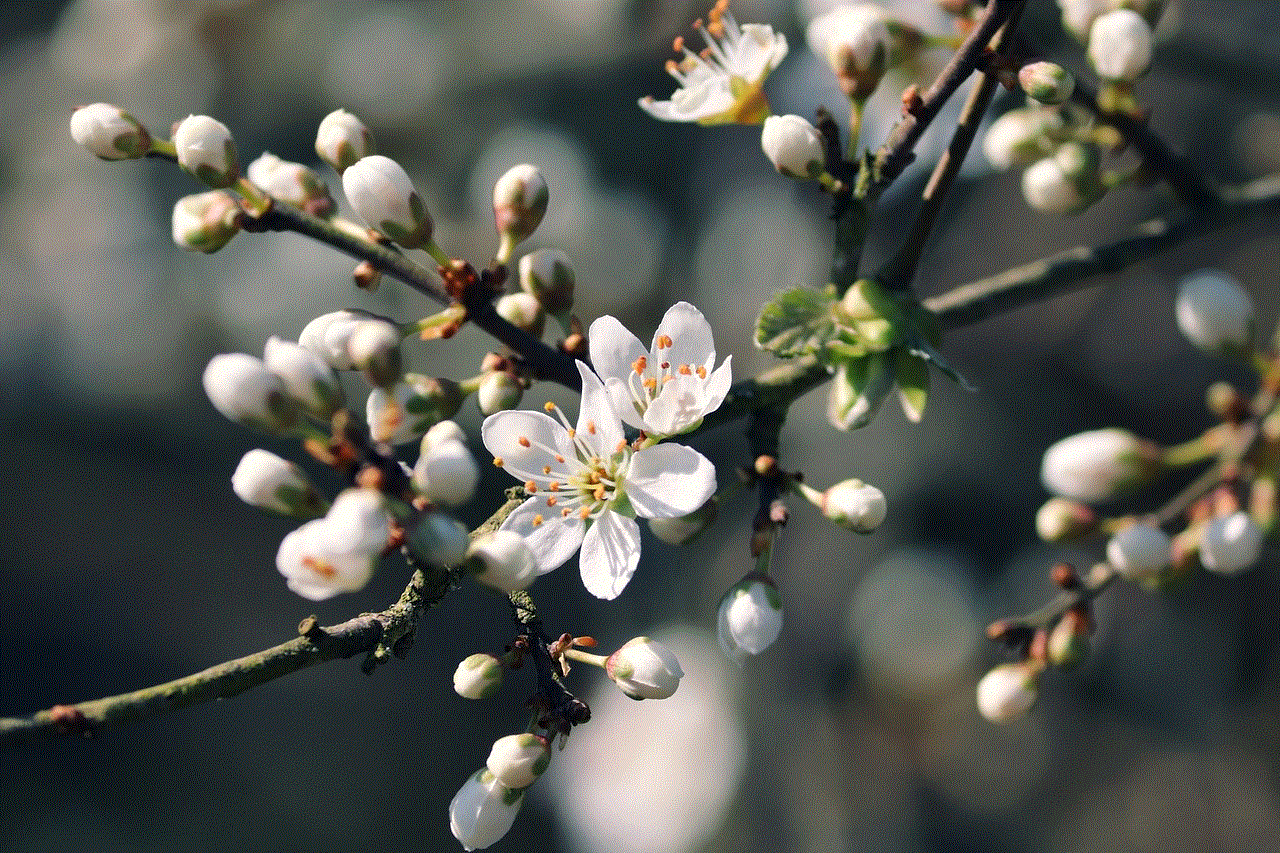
(1048,188)
(270,482)
(446,473)
(1120,45)
(854,504)
(408,409)
(307,378)
(374,348)
(342,139)
(644,669)
(669,388)
(750,617)
(242,389)
(1231,544)
(723,84)
(508,562)
(1139,551)
(205,222)
(381,193)
(518,760)
(855,41)
(339,552)
(109,132)
(206,150)
(793,146)
(588,483)
(483,810)
(1214,311)
(1008,691)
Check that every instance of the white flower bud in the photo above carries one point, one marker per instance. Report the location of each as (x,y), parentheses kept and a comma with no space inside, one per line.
(1098,465)
(358,523)
(440,433)
(242,389)
(508,562)
(109,132)
(205,222)
(290,182)
(328,334)
(1008,691)
(410,408)
(307,378)
(1061,519)
(793,146)
(1120,45)
(518,760)
(644,669)
(519,201)
(381,193)
(1230,544)
(483,810)
(447,473)
(439,539)
(1021,136)
(685,528)
(498,391)
(1067,182)
(1214,312)
(523,311)
(374,347)
(207,151)
(1139,551)
(750,617)
(548,276)
(855,505)
(267,481)
(478,676)
(1046,82)
(855,40)
(314,570)
(342,139)
(1078,15)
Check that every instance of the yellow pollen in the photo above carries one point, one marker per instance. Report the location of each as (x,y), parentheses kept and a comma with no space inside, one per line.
(584,513)
(572,433)
(530,486)
(593,477)
(677,44)
(701,371)
(566,512)
(524,442)
(685,371)
(320,567)
(548,406)
(591,427)
(497,460)
(667,379)
(664,342)
(640,364)
(537,520)
(599,493)
(552,501)
(559,459)
(672,66)
(650,383)
(546,469)
(553,486)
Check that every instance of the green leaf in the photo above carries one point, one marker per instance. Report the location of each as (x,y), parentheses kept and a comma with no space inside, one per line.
(796,322)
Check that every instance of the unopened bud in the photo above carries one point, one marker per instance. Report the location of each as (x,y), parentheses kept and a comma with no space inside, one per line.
(242,389)
(1120,45)
(205,222)
(308,378)
(411,407)
(290,182)
(856,41)
(109,132)
(519,202)
(1099,465)
(793,146)
(381,193)
(1230,544)
(1068,642)
(483,810)
(206,150)
(1062,519)
(438,539)
(644,669)
(267,481)
(548,276)
(683,530)
(498,391)
(854,505)
(1139,552)
(1046,82)
(446,473)
(523,311)
(518,760)
(1214,311)
(1067,182)
(374,347)
(328,334)
(507,563)
(342,139)
(750,617)
(1021,136)
(478,676)
(1008,691)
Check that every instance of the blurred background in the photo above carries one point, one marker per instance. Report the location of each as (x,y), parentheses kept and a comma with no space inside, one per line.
(128,560)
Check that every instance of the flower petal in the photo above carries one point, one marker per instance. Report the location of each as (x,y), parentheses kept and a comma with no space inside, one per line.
(610,554)
(690,334)
(613,348)
(668,481)
(598,423)
(678,407)
(502,433)
(553,540)
(717,386)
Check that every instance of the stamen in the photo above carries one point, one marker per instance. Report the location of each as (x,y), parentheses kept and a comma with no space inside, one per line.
(684,370)
(599,493)
(667,379)
(677,44)
(553,486)
(650,383)
(591,427)
(640,364)
(548,407)
(572,432)
(559,458)
(664,342)
(552,501)
(622,445)
(530,486)
(523,442)
(546,469)
(566,512)
(320,567)
(666,365)
(537,520)
(497,460)
(701,371)
(584,513)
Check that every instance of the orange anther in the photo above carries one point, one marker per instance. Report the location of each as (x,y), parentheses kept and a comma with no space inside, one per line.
(523,442)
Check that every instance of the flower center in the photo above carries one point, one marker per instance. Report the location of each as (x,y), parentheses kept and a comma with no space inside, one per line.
(587,485)
(646,380)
